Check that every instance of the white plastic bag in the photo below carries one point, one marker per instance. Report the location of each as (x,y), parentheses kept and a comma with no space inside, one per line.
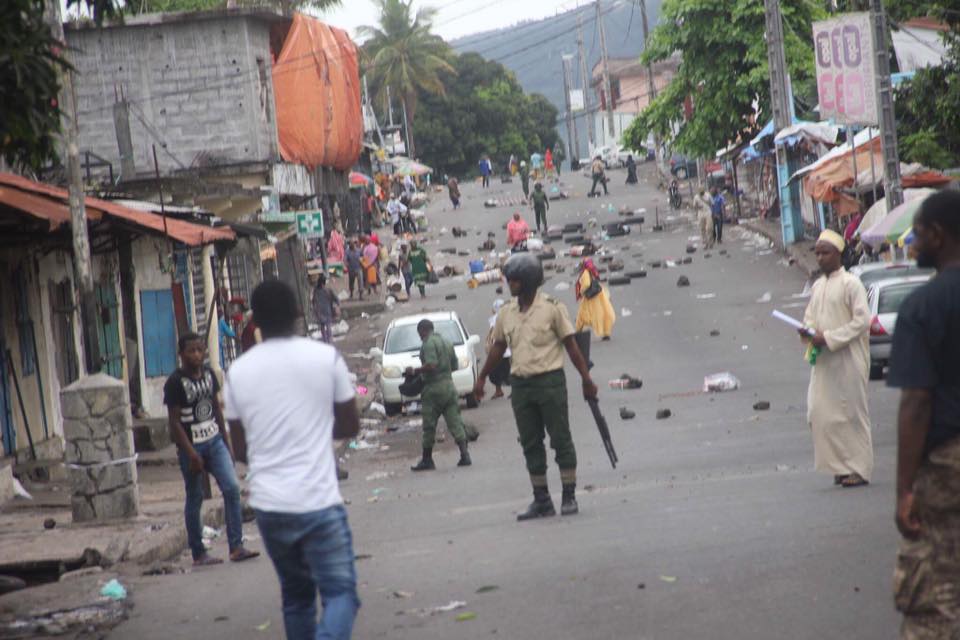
(718,382)
(340,328)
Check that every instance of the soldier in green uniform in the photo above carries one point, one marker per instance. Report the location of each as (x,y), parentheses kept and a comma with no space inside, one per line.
(438,361)
(525,179)
(537,329)
(541,203)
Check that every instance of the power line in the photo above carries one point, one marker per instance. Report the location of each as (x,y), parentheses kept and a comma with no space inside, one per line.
(515,30)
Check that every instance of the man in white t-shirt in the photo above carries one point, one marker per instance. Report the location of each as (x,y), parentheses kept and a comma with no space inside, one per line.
(286,401)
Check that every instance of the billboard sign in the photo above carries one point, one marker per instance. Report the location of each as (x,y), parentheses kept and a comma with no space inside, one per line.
(576,100)
(846,77)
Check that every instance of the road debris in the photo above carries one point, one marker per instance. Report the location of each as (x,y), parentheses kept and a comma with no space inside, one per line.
(663,414)
(402,595)
(683,281)
(706,296)
(627,414)
(114,590)
(766,297)
(762,405)
(487,588)
(465,616)
(714,333)
(719,382)
(626,381)
(670,579)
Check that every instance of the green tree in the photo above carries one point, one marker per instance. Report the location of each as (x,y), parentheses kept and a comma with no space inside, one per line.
(403,54)
(483,111)
(928,105)
(723,70)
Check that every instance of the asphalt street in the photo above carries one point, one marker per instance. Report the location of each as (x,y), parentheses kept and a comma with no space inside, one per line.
(714,524)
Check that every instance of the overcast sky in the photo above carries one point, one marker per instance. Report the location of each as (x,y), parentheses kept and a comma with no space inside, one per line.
(455,18)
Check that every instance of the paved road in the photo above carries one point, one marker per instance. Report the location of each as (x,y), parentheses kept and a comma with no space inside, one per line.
(714,524)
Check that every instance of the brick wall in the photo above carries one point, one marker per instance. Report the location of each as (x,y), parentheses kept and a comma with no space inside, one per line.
(193,84)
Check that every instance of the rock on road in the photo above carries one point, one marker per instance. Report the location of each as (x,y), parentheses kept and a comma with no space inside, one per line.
(713,525)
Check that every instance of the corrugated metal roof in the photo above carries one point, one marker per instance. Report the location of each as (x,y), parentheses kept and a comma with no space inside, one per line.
(47,202)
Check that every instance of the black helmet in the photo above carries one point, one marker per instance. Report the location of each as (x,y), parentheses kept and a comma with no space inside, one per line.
(525,268)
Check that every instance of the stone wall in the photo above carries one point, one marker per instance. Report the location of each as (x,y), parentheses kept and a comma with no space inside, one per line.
(99,449)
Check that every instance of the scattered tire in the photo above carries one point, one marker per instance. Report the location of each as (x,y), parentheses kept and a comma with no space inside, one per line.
(763,405)
(663,414)
(618,281)
(577,239)
(393,408)
(636,274)
(683,281)
(573,227)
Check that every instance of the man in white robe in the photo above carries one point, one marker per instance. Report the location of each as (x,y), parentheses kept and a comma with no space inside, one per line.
(837,399)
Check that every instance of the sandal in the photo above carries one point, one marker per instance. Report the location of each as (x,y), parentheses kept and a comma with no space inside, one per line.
(838,479)
(853,480)
(206,561)
(498,394)
(240,554)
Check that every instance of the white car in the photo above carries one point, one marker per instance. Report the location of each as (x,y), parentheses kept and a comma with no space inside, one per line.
(885,298)
(401,349)
(872,272)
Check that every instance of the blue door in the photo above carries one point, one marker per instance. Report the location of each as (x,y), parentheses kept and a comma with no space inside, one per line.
(159,332)
(7,431)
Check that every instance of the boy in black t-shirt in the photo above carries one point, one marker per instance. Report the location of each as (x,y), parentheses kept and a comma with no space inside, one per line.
(197,428)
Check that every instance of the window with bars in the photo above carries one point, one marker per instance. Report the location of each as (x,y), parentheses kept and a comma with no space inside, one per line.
(28,355)
(63,311)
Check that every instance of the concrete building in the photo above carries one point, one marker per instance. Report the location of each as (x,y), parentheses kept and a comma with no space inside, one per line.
(630,89)
(136,284)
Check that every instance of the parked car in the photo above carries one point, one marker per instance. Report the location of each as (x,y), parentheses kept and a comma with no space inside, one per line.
(683,167)
(885,298)
(872,272)
(401,349)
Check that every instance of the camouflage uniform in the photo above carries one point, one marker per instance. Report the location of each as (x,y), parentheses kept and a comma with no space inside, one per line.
(927,574)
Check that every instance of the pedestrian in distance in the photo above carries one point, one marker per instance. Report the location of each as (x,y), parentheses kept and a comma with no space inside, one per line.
(396,209)
(517,231)
(925,365)
(717,205)
(286,401)
(354,268)
(537,329)
(370,260)
(598,173)
(704,207)
(513,165)
(839,352)
(500,376)
(419,267)
(631,170)
(203,444)
(541,204)
(559,155)
(595,310)
(525,179)
(453,190)
(409,186)
(486,168)
(548,162)
(438,361)
(326,308)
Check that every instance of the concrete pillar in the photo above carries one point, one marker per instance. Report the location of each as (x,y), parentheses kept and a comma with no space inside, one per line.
(97,428)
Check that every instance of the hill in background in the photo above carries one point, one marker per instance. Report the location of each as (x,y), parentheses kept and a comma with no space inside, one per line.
(533,50)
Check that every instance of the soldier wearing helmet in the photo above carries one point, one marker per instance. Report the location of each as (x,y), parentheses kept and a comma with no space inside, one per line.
(537,330)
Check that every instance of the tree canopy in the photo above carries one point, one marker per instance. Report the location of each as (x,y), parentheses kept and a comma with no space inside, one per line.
(723,70)
(483,111)
(404,57)
(928,105)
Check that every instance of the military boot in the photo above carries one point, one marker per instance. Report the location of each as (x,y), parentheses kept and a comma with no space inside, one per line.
(464,455)
(568,505)
(426,463)
(541,507)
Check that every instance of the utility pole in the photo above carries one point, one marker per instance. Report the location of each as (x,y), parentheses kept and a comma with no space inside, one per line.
(76,199)
(583,82)
(573,144)
(892,185)
(791,226)
(606,72)
(652,86)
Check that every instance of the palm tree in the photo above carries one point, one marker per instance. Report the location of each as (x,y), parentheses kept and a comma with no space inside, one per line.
(403,54)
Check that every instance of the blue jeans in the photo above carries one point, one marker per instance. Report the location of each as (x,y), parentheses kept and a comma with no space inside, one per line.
(216,460)
(313,552)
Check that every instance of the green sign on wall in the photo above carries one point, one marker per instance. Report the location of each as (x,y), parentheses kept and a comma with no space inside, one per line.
(310,224)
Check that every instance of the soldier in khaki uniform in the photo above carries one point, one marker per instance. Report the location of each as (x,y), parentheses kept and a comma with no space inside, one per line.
(537,329)
(438,361)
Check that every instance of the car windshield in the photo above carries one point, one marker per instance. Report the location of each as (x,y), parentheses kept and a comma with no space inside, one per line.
(876,275)
(405,337)
(893,296)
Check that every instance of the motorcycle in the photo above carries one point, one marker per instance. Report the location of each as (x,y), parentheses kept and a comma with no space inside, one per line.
(676,200)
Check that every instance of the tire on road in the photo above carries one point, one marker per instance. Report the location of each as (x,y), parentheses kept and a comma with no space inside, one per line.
(618,281)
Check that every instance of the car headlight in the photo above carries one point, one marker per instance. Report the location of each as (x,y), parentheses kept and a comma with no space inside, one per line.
(392,372)
(463,362)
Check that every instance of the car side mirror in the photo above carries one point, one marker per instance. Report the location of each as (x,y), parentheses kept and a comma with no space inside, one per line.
(473,340)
